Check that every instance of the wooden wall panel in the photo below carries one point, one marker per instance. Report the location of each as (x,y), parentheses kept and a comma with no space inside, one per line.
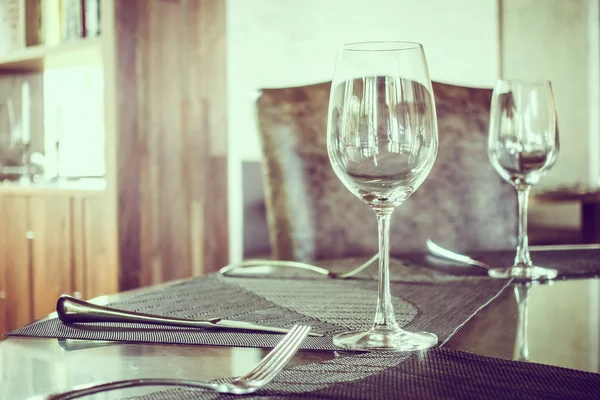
(206,94)
(129,149)
(171,147)
(169,184)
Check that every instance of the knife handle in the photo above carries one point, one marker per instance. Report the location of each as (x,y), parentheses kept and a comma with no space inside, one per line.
(72,310)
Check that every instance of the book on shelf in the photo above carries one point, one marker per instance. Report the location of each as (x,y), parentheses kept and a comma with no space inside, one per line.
(51,22)
(12,25)
(71,20)
(91,18)
(33,23)
(79,19)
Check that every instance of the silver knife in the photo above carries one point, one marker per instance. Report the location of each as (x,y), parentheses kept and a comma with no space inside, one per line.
(72,310)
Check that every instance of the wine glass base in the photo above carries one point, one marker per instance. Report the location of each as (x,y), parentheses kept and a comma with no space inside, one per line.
(380,339)
(524,272)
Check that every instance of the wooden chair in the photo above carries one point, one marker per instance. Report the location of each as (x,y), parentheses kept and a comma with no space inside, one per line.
(463,204)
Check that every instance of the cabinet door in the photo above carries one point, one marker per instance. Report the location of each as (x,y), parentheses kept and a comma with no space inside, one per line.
(3,247)
(96,269)
(50,221)
(15,264)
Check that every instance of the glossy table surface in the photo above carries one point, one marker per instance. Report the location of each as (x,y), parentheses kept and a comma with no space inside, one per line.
(556,324)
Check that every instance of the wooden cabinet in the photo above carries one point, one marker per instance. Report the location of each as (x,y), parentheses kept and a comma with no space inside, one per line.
(50,245)
(3,308)
(95,270)
(16,267)
(168,194)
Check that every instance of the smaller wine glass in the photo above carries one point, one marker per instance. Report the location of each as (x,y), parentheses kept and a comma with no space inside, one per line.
(522,147)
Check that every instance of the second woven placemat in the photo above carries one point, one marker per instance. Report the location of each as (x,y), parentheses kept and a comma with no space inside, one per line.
(435,374)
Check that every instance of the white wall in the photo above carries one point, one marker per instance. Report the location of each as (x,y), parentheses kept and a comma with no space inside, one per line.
(293,42)
(550,39)
(547,39)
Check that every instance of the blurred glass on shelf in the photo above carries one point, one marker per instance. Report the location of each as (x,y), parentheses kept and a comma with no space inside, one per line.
(16,162)
(11,149)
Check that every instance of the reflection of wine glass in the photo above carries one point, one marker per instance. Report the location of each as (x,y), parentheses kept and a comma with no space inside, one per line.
(521,342)
(382,143)
(523,146)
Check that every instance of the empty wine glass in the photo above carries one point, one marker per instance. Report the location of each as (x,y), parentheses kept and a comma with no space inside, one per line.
(523,146)
(382,143)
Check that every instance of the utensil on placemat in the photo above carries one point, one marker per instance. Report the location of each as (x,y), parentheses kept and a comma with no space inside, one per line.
(231,269)
(72,310)
(255,379)
(228,269)
(441,252)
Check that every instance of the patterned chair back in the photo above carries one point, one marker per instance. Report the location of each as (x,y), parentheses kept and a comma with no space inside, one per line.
(463,204)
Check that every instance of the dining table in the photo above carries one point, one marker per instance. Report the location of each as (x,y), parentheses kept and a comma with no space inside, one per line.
(516,341)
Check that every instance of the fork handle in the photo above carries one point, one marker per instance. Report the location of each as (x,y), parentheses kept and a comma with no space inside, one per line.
(105,387)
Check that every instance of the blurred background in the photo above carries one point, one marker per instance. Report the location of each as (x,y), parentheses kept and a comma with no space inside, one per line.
(129,149)
(467,42)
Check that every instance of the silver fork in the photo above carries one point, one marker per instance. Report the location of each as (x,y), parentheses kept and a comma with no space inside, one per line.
(256,378)
(226,270)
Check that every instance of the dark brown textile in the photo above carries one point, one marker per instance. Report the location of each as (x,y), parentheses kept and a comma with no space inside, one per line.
(437,374)
(463,204)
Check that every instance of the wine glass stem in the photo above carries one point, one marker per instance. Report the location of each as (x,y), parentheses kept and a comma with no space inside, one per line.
(522,258)
(384,316)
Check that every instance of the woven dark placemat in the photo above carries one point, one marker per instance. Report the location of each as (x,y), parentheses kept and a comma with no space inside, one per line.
(329,306)
(437,374)
(570,263)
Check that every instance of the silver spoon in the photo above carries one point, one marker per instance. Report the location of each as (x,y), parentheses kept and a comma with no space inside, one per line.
(441,252)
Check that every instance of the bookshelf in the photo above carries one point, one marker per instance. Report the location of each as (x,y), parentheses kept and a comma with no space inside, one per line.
(160,213)
(60,233)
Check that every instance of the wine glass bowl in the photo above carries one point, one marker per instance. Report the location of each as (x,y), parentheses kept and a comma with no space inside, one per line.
(523,146)
(391,156)
(382,142)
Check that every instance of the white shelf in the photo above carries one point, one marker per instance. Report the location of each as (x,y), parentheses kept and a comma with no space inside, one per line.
(37,58)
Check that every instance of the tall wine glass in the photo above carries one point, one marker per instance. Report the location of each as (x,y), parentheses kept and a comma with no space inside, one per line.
(382,142)
(523,146)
